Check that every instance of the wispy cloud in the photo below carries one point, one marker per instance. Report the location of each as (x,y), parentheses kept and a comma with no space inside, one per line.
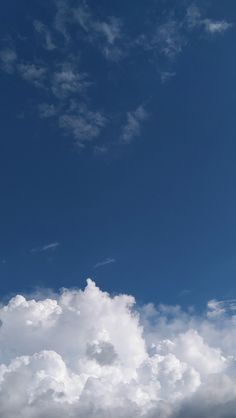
(211,26)
(111,30)
(220,307)
(68,80)
(45,34)
(169,39)
(8,58)
(167,75)
(172,35)
(33,73)
(104,262)
(216,27)
(83,124)
(48,247)
(107,34)
(132,128)
(68,90)
(63,18)
(47,110)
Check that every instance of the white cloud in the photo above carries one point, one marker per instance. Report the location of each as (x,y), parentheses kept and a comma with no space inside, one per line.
(107,34)
(83,124)
(105,262)
(68,80)
(172,35)
(48,247)
(63,81)
(111,29)
(104,34)
(51,246)
(216,27)
(87,354)
(132,127)
(195,20)
(218,308)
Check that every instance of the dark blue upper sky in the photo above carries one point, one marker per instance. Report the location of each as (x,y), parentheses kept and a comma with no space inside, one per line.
(118,147)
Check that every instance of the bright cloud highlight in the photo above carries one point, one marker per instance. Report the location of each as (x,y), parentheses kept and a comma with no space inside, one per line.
(87,354)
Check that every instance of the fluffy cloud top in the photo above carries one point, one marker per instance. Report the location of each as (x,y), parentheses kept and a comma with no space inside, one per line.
(87,354)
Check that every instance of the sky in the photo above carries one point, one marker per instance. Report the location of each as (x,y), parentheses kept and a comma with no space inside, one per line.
(117,166)
(117,147)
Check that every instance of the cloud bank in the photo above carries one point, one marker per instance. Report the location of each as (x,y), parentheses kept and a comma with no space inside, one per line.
(88,354)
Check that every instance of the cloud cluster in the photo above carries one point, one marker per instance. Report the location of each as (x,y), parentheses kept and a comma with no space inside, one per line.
(88,354)
(66,82)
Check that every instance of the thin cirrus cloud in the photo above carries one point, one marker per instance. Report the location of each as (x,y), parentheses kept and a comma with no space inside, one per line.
(66,89)
(52,246)
(96,355)
(105,262)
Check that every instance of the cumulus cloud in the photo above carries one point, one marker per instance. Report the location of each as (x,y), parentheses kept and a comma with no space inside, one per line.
(88,354)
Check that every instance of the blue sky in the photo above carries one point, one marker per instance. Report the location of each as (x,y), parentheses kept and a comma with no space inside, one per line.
(118,147)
